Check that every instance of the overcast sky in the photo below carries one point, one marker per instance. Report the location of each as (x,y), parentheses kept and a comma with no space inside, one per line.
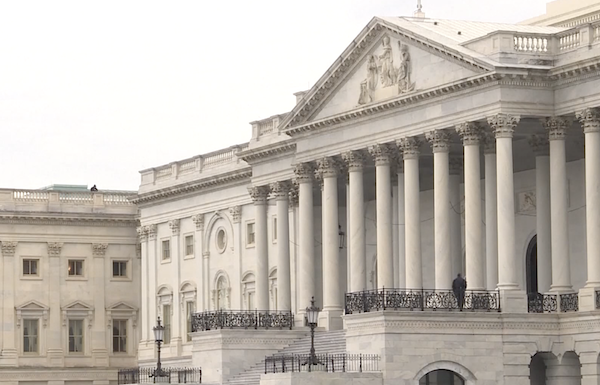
(92,92)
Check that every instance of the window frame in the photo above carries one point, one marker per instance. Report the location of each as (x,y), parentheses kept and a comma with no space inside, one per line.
(127,275)
(37,275)
(122,311)
(112,335)
(163,242)
(220,249)
(167,322)
(25,321)
(185,246)
(247,233)
(82,336)
(274,229)
(75,277)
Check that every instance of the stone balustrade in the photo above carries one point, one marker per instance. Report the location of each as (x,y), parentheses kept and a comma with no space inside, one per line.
(193,167)
(66,201)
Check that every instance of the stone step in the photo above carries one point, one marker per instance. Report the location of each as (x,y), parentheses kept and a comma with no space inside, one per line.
(332,342)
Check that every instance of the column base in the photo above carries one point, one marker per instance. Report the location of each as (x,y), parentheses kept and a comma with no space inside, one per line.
(587,299)
(331,319)
(8,357)
(561,290)
(513,301)
(300,319)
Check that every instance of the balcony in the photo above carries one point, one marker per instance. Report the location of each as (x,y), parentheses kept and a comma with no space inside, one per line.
(331,363)
(242,319)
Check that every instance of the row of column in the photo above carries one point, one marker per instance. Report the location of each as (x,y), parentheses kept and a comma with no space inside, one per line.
(498,267)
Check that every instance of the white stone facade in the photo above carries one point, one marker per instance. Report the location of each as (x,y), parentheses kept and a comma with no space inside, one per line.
(70,271)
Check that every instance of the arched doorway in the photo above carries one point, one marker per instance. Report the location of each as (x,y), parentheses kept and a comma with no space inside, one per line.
(441,377)
(531,270)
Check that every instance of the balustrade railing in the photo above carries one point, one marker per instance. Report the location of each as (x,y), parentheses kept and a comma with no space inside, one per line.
(151,375)
(424,299)
(331,363)
(242,319)
(553,303)
(531,43)
(597,299)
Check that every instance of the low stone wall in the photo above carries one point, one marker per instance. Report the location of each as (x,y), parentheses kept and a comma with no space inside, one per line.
(321,378)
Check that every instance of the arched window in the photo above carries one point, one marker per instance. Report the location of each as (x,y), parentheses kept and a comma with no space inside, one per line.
(249,291)
(441,377)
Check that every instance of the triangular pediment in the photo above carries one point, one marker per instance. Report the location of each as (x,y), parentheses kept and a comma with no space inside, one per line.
(77,305)
(385,62)
(121,306)
(32,305)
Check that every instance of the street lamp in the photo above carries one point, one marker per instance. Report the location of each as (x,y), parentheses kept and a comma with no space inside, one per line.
(159,333)
(312,315)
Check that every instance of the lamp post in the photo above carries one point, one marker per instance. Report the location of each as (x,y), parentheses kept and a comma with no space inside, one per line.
(159,333)
(312,314)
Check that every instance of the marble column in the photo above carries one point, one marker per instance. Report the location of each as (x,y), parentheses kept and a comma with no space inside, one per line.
(590,121)
(559,205)
(328,170)
(99,346)
(382,155)
(503,126)
(153,258)
(471,136)
(284,288)
(540,147)
(440,145)
(306,245)
(145,319)
(356,237)
(177,336)
(412,206)
(259,196)
(491,212)
(401,261)
(55,353)
(456,248)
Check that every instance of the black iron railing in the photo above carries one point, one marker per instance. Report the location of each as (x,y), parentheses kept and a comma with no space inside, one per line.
(404,299)
(242,319)
(325,363)
(597,299)
(150,375)
(553,303)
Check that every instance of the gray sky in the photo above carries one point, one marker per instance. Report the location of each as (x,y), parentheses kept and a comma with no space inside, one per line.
(91,92)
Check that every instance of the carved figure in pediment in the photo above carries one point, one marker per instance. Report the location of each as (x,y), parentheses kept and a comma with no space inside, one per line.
(372,73)
(403,80)
(386,64)
(365,94)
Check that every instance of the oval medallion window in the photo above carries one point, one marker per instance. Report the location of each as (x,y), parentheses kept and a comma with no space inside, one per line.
(221,240)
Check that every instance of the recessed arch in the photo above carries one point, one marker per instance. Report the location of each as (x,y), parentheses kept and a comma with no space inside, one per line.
(531,266)
(462,372)
(210,225)
(221,293)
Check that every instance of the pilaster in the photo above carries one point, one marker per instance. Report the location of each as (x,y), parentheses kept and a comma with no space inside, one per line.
(284,290)
(177,337)
(259,196)
(491,211)
(99,348)
(9,356)
(55,352)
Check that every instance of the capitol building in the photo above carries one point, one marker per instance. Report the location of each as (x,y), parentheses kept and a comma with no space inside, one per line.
(430,148)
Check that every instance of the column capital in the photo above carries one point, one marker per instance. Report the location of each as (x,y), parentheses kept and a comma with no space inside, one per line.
(236,213)
(328,167)
(489,142)
(456,165)
(54,248)
(557,127)
(409,147)
(589,119)
(304,172)
(540,145)
(281,189)
(470,133)
(9,248)
(198,220)
(503,125)
(294,195)
(259,194)
(99,249)
(439,140)
(142,234)
(174,226)
(382,154)
(151,231)
(355,160)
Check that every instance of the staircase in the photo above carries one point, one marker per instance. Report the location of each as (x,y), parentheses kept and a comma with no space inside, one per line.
(325,342)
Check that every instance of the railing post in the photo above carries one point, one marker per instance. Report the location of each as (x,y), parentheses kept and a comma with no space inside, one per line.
(360,363)
(499,307)
(422,299)
(256,318)
(344,363)
(364,295)
(383,297)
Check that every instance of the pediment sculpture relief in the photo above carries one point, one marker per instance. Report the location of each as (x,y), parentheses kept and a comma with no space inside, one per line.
(384,79)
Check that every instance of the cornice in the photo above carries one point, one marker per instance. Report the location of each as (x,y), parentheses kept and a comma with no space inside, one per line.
(193,186)
(265,152)
(347,61)
(44,218)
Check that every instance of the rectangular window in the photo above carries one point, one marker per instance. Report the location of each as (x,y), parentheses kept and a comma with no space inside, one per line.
(250,233)
(75,336)
(30,267)
(119,336)
(167,323)
(274,229)
(190,308)
(30,335)
(166,249)
(120,269)
(75,267)
(189,245)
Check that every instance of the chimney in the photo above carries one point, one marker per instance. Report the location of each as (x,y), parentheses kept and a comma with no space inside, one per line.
(419,12)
